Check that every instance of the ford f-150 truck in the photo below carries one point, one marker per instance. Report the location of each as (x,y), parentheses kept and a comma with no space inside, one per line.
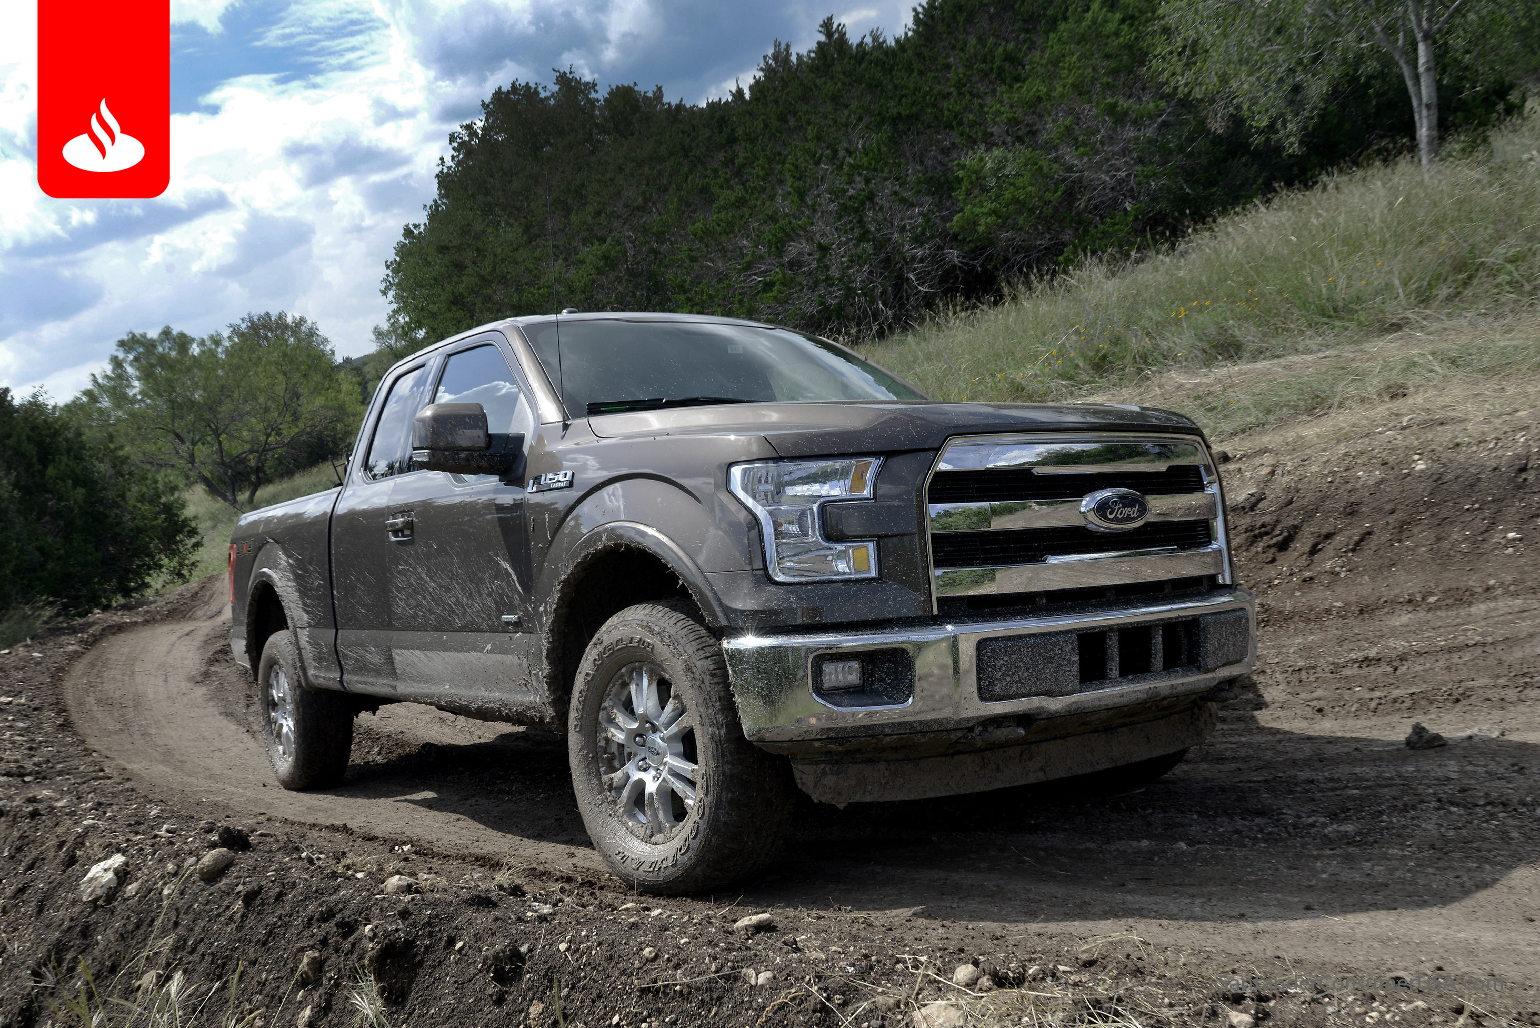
(730,560)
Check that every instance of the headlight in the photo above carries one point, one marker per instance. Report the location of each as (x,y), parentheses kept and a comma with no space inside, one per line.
(786,495)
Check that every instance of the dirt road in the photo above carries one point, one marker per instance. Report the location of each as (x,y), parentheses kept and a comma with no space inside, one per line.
(1305,839)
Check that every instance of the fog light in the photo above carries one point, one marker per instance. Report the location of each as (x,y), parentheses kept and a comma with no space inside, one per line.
(842,676)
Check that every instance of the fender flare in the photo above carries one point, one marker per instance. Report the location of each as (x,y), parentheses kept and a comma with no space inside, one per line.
(558,592)
(632,534)
(264,573)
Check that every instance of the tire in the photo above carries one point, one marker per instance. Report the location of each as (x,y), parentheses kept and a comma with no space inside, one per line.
(308,732)
(658,828)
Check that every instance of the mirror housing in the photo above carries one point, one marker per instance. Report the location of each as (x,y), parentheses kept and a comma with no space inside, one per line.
(453,437)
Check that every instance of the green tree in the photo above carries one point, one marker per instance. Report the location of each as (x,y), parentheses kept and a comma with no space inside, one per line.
(852,185)
(231,412)
(391,343)
(1279,63)
(81,524)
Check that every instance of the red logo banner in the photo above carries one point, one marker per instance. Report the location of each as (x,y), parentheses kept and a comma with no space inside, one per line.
(103,98)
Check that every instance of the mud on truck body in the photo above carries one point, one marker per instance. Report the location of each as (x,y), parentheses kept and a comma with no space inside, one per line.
(728,561)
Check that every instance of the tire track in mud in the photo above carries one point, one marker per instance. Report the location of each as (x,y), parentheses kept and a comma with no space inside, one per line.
(135,698)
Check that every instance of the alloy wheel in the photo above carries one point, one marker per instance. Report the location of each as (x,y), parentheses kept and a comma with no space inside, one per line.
(647,754)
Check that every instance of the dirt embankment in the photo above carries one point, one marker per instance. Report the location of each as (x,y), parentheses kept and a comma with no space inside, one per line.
(1305,866)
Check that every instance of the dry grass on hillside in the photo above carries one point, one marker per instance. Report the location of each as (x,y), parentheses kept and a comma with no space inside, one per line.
(1363,254)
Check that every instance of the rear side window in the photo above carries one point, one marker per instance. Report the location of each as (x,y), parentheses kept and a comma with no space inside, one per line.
(390,452)
(480,375)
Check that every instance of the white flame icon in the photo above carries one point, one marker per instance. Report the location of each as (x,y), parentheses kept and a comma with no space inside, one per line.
(105,147)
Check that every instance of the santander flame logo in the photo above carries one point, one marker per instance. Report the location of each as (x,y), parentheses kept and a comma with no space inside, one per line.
(104,146)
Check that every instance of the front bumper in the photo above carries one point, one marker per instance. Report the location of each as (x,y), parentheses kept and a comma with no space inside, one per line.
(773,681)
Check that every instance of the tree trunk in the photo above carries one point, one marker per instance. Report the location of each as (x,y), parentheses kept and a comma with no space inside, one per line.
(1427,100)
(1414,81)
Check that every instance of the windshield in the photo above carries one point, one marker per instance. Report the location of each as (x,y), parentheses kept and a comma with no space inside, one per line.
(609,366)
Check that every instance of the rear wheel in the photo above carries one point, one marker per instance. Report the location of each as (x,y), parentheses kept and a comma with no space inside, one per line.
(308,732)
(675,799)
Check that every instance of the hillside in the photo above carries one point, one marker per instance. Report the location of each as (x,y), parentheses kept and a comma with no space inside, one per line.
(1370,287)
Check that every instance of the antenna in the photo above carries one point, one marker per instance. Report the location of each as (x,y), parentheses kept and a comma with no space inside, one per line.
(550,241)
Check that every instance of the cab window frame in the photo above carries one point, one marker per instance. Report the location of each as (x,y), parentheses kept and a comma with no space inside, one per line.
(510,361)
(431,365)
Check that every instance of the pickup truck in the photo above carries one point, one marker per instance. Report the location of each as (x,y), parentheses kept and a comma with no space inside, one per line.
(730,561)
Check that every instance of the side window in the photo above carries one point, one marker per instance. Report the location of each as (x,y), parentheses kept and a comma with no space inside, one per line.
(480,375)
(390,451)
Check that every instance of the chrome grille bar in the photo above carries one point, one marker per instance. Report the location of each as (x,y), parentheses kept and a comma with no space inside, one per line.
(1103,460)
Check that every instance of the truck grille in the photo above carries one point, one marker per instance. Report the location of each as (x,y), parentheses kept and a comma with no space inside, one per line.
(1036,545)
(1005,515)
(1024,484)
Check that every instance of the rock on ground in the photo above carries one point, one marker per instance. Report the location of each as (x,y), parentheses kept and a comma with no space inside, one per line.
(102,879)
(310,966)
(214,863)
(235,839)
(966,976)
(1422,739)
(398,885)
(938,1015)
(755,923)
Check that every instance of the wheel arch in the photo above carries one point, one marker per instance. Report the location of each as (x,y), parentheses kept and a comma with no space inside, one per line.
(616,566)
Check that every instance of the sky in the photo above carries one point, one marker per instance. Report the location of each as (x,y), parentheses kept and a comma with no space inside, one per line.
(304,136)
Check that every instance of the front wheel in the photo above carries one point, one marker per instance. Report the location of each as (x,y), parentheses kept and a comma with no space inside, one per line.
(308,732)
(675,799)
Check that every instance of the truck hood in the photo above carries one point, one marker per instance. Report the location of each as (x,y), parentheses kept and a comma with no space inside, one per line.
(814,429)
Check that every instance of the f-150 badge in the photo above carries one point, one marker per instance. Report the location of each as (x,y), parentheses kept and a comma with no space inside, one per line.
(550,480)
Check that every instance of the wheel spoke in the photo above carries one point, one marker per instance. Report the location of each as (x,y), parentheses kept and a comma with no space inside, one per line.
(676,732)
(639,692)
(671,714)
(634,789)
(614,733)
(682,768)
(684,788)
(619,714)
(615,779)
(658,821)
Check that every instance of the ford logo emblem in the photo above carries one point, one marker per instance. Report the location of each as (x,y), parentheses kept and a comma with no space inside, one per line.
(1114,510)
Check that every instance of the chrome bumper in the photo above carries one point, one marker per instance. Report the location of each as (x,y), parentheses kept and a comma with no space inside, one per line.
(772,677)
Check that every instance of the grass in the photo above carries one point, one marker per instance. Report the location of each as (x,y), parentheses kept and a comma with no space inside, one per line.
(1361,255)
(19,624)
(367,1004)
(216,519)
(1406,371)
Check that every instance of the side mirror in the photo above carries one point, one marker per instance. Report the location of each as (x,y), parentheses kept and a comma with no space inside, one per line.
(453,437)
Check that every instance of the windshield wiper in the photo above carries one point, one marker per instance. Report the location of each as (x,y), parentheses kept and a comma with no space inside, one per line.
(658,403)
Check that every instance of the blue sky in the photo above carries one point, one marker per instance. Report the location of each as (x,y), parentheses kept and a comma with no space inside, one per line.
(304,136)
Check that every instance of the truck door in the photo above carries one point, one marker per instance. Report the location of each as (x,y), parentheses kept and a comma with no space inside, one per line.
(364,536)
(459,585)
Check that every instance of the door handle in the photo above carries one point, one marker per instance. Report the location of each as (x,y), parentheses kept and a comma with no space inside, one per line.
(399,526)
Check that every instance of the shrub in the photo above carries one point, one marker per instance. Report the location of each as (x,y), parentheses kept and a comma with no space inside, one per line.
(81,525)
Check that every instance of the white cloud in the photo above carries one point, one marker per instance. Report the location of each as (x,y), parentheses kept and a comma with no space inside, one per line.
(311,133)
(205,13)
